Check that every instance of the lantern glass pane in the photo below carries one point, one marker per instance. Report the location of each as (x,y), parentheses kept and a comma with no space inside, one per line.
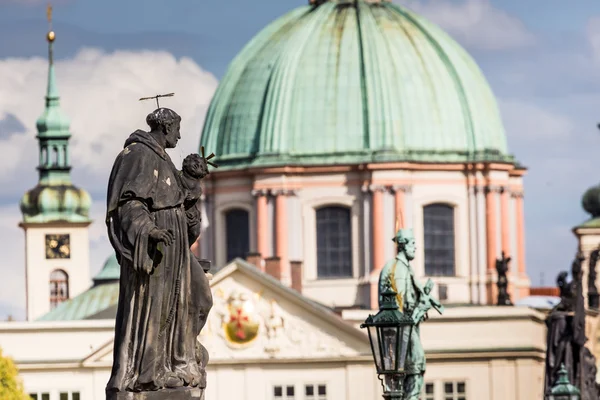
(374,336)
(389,338)
(403,347)
(392,382)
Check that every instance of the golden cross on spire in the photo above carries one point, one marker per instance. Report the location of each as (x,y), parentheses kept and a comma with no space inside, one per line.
(49,15)
(51,34)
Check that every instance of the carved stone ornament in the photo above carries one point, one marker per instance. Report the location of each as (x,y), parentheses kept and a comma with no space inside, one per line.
(279,333)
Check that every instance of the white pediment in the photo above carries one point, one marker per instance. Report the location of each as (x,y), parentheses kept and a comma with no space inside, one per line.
(101,357)
(255,317)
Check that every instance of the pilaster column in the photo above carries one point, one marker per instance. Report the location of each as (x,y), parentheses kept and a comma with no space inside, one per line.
(400,192)
(262,223)
(491,226)
(281,233)
(505,220)
(519,215)
(377,234)
(377,227)
(492,251)
(281,224)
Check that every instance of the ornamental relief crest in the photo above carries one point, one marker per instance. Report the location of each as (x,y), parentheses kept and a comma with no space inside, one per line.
(249,324)
(241,323)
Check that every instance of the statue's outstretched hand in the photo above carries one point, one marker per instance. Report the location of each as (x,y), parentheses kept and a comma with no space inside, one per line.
(162,235)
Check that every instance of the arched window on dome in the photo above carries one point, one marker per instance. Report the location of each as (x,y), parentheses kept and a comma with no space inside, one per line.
(439,246)
(59,287)
(237,233)
(334,242)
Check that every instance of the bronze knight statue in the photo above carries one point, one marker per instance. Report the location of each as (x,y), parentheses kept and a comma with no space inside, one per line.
(414,300)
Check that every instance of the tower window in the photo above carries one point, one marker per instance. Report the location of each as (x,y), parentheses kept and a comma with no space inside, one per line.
(237,233)
(334,242)
(438,221)
(44,157)
(59,287)
(55,156)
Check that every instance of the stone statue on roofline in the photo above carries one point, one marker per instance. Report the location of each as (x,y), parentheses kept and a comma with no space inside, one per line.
(414,300)
(164,298)
(502,270)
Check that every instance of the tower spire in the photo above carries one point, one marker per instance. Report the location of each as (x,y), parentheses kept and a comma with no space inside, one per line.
(53,126)
(52,91)
(54,198)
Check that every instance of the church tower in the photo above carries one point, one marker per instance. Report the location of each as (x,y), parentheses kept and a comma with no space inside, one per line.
(55,214)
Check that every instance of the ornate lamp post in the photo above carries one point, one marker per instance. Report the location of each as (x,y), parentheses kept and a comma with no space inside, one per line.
(389,334)
(563,390)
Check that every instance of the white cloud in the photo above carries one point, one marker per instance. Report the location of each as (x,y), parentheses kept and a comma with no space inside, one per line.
(526,120)
(476,23)
(99,92)
(12,263)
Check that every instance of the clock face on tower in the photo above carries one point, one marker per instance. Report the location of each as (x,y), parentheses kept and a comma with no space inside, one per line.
(58,246)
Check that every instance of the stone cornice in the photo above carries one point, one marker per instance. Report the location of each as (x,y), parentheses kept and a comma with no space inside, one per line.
(401,188)
(517,194)
(283,192)
(259,192)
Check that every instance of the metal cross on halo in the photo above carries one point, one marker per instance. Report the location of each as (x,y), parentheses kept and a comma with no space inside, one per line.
(157,97)
(208,158)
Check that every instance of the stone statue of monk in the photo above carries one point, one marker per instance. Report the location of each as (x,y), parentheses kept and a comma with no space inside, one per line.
(163,290)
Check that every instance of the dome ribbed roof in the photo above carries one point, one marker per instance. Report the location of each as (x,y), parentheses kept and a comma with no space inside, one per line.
(353,82)
(46,203)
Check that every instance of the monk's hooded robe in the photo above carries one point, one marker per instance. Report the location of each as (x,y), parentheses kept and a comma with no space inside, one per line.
(153,333)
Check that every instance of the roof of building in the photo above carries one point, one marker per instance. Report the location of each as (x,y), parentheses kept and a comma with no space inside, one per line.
(352,82)
(94,302)
(86,305)
(111,270)
(100,301)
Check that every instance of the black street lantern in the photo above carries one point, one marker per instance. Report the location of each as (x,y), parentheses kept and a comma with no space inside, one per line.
(562,389)
(389,334)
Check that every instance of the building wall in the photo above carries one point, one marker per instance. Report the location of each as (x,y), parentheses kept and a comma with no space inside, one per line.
(498,352)
(480,236)
(496,379)
(38,268)
(589,240)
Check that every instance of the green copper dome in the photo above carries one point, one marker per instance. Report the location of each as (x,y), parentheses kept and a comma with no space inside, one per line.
(353,82)
(47,203)
(54,198)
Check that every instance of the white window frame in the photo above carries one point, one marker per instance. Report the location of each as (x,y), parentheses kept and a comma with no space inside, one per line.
(315,395)
(284,395)
(439,390)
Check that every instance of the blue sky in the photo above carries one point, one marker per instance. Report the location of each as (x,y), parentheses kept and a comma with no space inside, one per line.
(542,59)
